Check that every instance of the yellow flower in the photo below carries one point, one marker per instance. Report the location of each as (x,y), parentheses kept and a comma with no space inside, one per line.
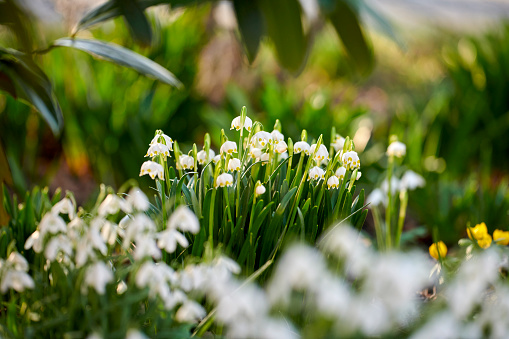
(480,233)
(437,247)
(501,237)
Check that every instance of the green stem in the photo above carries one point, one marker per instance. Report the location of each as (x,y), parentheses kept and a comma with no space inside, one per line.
(388,238)
(211,219)
(228,206)
(403,202)
(378,228)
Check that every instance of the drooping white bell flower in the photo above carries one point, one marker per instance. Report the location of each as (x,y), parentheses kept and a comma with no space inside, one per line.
(229,147)
(146,247)
(216,159)
(168,239)
(277,136)
(135,334)
(112,205)
(52,223)
(351,160)
(261,139)
(234,165)
(64,206)
(333,182)
(338,143)
(340,172)
(190,312)
(160,137)
(224,180)
(359,174)
(98,276)
(236,122)
(17,261)
(201,156)
(186,161)
(153,169)
(13,274)
(57,244)
(316,173)
(139,224)
(411,180)
(35,241)
(281,147)
(376,198)
(396,149)
(158,149)
(184,219)
(264,158)
(395,185)
(260,189)
(301,146)
(321,154)
(137,199)
(255,153)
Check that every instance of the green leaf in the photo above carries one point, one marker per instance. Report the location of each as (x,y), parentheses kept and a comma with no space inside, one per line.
(284,27)
(348,28)
(121,56)
(136,20)
(250,23)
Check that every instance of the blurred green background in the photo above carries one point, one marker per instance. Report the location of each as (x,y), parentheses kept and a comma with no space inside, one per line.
(444,94)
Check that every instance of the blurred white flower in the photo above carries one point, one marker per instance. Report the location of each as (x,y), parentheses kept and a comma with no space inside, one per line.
(316,173)
(190,312)
(442,325)
(17,261)
(186,161)
(139,224)
(338,143)
(57,244)
(396,149)
(236,122)
(340,172)
(216,159)
(376,198)
(359,174)
(277,136)
(247,303)
(281,147)
(224,267)
(169,238)
(202,156)
(333,182)
(112,204)
(121,287)
(261,139)
(158,149)
(35,241)
(16,280)
(90,241)
(411,180)
(98,275)
(395,185)
(229,147)
(157,278)
(234,165)
(264,158)
(224,180)
(64,206)
(160,137)
(259,189)
(321,154)
(184,219)
(145,246)
(137,199)
(52,223)
(351,160)
(301,146)
(255,153)
(135,334)
(153,169)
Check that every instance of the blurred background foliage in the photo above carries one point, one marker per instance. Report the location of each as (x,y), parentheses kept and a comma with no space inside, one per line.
(444,94)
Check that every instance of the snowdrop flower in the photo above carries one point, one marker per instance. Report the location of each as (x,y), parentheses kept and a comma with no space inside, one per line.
(264,158)
(110,231)
(53,224)
(216,159)
(146,247)
(396,149)
(246,304)
(321,153)
(236,122)
(359,174)
(121,287)
(190,312)
(339,143)
(161,137)
(202,156)
(35,241)
(157,278)
(139,224)
(333,182)
(57,244)
(376,198)
(137,199)
(184,219)
(411,180)
(186,161)
(259,189)
(340,172)
(153,169)
(169,238)
(281,147)
(64,206)
(17,261)
(135,334)
(224,180)
(255,153)
(13,274)
(112,204)
(158,149)
(277,136)
(229,147)
(98,276)
(316,173)
(301,146)
(234,165)
(261,139)
(395,185)
(351,160)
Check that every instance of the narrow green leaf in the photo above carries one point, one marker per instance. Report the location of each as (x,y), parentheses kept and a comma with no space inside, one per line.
(250,23)
(136,20)
(121,56)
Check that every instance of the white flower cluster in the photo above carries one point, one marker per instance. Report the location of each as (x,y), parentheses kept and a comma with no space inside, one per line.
(13,274)
(409,182)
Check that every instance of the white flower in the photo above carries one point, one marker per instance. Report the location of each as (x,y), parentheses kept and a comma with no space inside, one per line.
(17,261)
(224,180)
(146,247)
(301,146)
(16,280)
(98,276)
(190,312)
(112,204)
(248,123)
(35,241)
(57,244)
(157,278)
(246,304)
(121,287)
(264,158)
(333,182)
(396,149)
(169,238)
(316,173)
(321,153)
(202,156)
(109,232)
(351,160)
(261,139)
(64,206)
(234,165)
(255,153)
(139,224)
(216,159)
(52,223)
(339,143)
(277,136)
(411,180)
(340,172)
(186,161)
(376,198)
(395,184)
(158,149)
(160,136)
(137,199)
(359,174)
(281,147)
(259,190)
(184,219)
(135,334)
(228,147)
(153,169)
